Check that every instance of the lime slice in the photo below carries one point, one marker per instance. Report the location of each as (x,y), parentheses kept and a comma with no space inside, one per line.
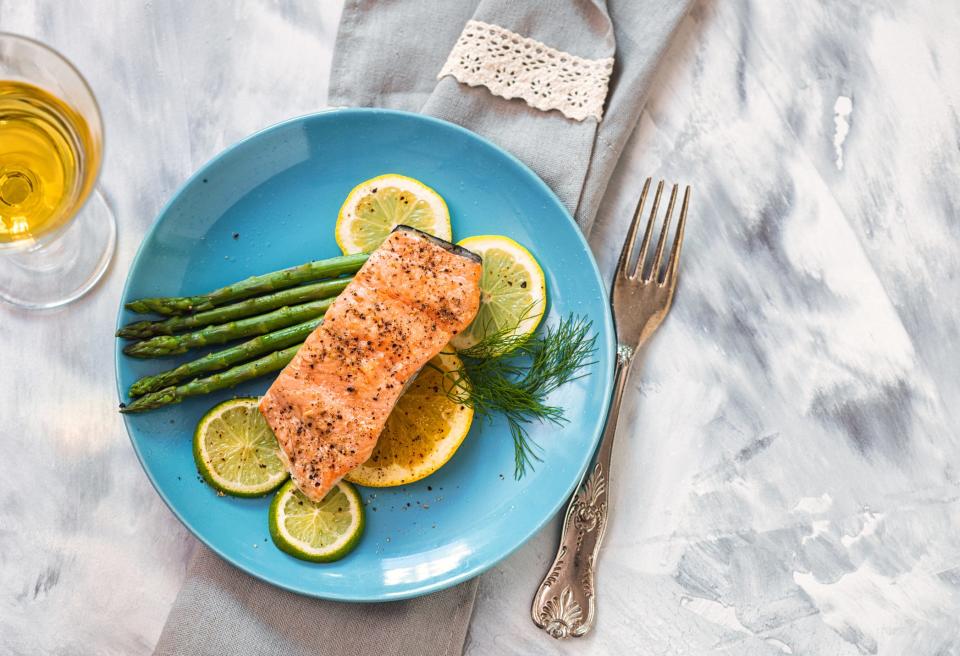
(320,531)
(235,450)
(423,431)
(378,205)
(513,292)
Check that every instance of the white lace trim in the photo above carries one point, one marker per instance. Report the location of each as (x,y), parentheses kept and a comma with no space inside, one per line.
(514,66)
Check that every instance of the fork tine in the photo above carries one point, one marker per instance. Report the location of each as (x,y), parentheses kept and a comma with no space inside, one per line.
(658,256)
(632,232)
(649,231)
(674,261)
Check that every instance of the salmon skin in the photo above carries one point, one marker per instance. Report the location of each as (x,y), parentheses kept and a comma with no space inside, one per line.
(330,404)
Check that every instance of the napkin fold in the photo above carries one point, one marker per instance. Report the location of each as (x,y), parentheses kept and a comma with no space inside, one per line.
(388,54)
(222,611)
(533,78)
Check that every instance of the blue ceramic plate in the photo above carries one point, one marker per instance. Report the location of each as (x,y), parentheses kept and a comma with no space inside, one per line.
(271,201)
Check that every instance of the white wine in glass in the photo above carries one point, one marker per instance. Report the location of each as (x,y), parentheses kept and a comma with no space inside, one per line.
(57,234)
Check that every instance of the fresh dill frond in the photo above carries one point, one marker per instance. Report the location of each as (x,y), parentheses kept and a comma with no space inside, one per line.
(513,376)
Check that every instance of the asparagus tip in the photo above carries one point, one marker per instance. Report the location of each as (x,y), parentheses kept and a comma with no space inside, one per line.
(137,306)
(142,330)
(159,346)
(152,401)
(133,350)
(129,332)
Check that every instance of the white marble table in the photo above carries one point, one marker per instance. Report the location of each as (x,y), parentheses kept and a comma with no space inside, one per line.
(789,477)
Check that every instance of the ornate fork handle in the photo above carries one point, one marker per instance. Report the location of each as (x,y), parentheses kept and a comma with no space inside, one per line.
(564,603)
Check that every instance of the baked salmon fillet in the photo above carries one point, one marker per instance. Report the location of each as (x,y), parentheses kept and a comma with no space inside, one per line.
(330,404)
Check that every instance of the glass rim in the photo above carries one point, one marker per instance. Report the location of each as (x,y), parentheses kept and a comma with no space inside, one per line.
(66,60)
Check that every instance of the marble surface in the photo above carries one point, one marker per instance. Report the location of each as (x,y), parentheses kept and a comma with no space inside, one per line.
(787,475)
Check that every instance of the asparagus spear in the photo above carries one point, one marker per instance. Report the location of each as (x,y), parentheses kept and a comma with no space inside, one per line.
(164,345)
(226,358)
(268,282)
(248,308)
(229,378)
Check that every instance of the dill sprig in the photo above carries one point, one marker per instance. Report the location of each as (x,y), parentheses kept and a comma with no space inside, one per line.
(513,376)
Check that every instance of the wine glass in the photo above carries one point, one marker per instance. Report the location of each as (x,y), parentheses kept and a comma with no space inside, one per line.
(57,232)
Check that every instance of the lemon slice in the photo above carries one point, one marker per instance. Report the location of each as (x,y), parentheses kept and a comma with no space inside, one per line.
(380,204)
(513,292)
(422,433)
(235,450)
(321,531)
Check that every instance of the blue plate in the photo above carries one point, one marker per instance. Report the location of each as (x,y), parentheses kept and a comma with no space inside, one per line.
(271,201)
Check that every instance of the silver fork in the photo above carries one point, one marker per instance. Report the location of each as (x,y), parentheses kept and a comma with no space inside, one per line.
(564,605)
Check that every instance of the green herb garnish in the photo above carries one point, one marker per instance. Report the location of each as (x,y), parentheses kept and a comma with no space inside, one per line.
(513,375)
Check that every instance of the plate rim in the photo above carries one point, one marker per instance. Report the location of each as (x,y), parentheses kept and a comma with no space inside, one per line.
(607,334)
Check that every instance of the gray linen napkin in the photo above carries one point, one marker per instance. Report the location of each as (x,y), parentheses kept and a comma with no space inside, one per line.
(411,40)
(223,612)
(388,54)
